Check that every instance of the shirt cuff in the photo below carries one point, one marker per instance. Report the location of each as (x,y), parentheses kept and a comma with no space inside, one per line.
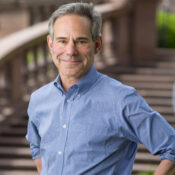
(168,156)
(35,151)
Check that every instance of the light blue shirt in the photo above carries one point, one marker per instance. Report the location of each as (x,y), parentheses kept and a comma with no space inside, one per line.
(94,128)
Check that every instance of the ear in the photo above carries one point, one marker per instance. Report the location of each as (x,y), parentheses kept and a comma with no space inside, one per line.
(50,43)
(98,44)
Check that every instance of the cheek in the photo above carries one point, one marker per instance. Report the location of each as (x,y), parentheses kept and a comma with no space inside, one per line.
(57,50)
(88,55)
(88,51)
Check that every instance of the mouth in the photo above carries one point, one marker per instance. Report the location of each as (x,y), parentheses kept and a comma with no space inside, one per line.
(69,60)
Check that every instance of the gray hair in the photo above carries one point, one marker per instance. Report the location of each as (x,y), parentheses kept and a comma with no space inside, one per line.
(81,9)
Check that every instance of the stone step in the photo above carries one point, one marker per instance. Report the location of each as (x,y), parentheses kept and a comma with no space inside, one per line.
(139,70)
(18,123)
(146,78)
(17,164)
(14,152)
(152,86)
(146,158)
(158,64)
(13,141)
(141,167)
(167,94)
(163,109)
(17,132)
(157,71)
(19,172)
(158,101)
(165,64)
(142,148)
(170,116)
(170,119)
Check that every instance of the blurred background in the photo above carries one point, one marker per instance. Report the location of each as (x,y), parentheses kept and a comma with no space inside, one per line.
(19,14)
(138,50)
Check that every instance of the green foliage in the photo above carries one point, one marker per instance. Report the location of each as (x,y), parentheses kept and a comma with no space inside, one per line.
(146,173)
(166,29)
(30,57)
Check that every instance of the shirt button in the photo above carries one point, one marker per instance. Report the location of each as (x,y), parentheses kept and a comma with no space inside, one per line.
(79,95)
(64,126)
(68,100)
(59,153)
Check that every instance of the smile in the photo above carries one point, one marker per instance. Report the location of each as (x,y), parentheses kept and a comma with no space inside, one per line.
(70,61)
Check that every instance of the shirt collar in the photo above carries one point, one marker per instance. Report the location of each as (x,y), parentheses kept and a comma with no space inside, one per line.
(88,80)
(57,83)
(84,84)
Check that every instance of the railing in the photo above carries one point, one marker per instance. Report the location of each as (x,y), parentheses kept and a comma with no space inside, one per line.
(39,10)
(25,62)
(43,9)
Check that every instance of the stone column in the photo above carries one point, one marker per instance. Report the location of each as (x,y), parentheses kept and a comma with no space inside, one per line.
(14,78)
(144,31)
(122,39)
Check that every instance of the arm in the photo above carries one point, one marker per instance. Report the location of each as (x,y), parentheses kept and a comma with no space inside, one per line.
(38,164)
(34,140)
(166,167)
(33,136)
(151,129)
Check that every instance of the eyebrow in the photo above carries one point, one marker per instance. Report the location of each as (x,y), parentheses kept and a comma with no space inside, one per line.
(59,38)
(82,38)
(79,38)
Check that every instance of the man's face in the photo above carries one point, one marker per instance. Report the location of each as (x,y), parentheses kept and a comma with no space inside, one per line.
(73,48)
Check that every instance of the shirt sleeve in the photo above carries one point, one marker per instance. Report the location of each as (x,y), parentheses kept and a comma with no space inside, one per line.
(32,135)
(148,127)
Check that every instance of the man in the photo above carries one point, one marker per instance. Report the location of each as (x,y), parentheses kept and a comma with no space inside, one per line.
(86,123)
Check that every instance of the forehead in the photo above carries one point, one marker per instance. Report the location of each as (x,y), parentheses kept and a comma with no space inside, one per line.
(72,24)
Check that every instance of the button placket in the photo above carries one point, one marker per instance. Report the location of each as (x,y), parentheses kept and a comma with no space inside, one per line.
(63,132)
(64,125)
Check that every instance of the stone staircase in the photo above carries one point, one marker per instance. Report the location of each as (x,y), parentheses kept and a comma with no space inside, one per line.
(154,82)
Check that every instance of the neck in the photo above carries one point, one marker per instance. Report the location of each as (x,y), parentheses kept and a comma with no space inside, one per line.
(68,82)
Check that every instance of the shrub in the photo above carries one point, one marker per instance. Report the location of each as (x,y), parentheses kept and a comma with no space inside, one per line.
(166,29)
(146,173)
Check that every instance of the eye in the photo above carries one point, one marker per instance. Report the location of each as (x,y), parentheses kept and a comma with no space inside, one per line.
(81,42)
(62,41)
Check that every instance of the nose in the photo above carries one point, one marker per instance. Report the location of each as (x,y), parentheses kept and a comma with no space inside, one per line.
(71,49)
